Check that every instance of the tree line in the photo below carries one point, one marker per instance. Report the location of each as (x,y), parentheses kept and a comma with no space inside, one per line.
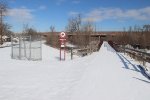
(4,27)
(80,32)
(135,36)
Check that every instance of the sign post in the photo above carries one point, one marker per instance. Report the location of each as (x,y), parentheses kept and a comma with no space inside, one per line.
(62,39)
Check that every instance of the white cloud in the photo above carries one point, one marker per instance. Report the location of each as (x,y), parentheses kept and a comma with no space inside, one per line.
(21,14)
(42,7)
(101,14)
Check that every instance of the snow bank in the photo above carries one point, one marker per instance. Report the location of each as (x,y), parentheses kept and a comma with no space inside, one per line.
(48,79)
(104,75)
(107,78)
(5,44)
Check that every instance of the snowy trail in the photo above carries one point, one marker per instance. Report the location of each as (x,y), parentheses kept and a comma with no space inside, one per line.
(100,76)
(48,79)
(108,79)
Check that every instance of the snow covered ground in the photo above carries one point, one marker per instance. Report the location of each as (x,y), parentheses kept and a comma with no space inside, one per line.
(104,75)
(5,44)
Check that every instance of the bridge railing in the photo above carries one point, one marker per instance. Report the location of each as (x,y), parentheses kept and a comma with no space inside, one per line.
(136,54)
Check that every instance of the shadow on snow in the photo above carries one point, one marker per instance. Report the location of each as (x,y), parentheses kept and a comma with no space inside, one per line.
(125,61)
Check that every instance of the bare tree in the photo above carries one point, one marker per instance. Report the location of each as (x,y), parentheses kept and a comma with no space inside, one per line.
(146,28)
(136,36)
(82,31)
(74,24)
(52,39)
(29,31)
(88,27)
(3,10)
(52,29)
(6,30)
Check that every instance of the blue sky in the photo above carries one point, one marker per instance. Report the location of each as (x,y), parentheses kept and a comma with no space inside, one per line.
(105,14)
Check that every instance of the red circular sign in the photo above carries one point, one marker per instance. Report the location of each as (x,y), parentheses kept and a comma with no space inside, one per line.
(62,35)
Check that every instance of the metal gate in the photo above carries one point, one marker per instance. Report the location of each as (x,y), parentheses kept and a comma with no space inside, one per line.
(26,47)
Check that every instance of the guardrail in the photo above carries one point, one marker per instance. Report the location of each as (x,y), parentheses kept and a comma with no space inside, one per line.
(136,54)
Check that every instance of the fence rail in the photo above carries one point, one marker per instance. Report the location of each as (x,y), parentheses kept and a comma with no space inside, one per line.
(26,47)
(136,54)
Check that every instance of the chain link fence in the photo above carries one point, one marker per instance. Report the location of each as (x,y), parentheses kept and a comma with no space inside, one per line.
(26,47)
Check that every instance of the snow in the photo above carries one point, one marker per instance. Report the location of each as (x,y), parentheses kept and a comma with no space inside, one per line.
(5,44)
(70,45)
(148,51)
(104,75)
(107,78)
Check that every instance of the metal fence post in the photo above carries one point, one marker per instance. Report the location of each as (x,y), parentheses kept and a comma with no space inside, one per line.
(143,59)
(71,53)
(11,46)
(124,49)
(30,48)
(25,48)
(40,47)
(19,47)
